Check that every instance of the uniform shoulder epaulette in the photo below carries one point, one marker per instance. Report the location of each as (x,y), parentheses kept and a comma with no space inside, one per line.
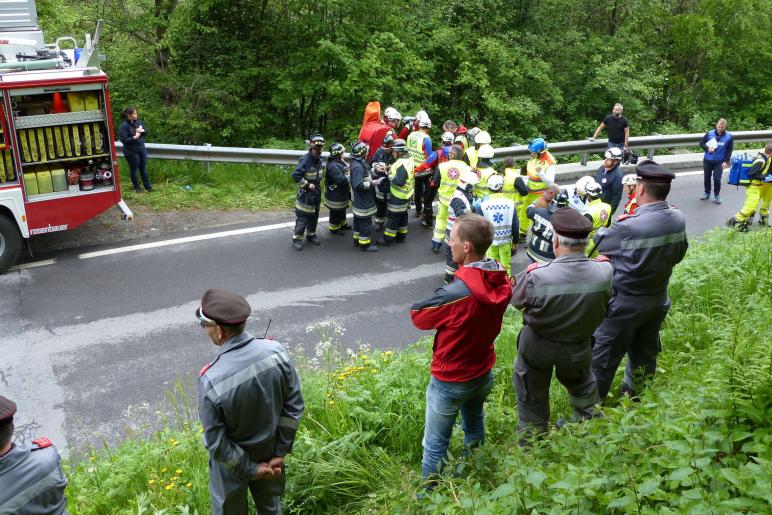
(532,267)
(602,259)
(204,369)
(41,443)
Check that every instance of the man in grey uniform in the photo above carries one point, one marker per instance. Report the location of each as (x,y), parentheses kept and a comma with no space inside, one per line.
(643,247)
(250,407)
(563,302)
(31,478)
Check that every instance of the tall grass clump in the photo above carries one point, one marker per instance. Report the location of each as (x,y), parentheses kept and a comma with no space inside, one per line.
(697,441)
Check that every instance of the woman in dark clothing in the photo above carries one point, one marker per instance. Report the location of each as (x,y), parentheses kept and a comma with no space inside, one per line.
(132,134)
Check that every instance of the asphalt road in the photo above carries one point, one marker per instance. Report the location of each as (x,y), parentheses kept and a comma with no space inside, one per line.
(91,347)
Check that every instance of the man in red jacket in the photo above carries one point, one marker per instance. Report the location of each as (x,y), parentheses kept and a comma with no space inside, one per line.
(467,315)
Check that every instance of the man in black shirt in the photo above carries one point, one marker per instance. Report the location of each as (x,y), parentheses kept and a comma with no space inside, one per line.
(618,129)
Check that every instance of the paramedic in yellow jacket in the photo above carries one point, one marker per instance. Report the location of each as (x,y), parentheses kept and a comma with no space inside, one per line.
(597,212)
(759,188)
(541,173)
(450,172)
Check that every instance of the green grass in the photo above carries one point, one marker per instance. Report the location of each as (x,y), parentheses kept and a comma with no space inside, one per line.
(698,441)
(226,186)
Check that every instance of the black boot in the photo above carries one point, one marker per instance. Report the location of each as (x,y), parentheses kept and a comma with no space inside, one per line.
(313,239)
(297,245)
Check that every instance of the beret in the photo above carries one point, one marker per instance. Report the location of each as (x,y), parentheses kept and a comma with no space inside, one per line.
(7,410)
(651,171)
(223,308)
(570,223)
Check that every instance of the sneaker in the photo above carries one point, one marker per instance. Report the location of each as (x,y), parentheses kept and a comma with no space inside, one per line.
(297,245)
(137,190)
(149,189)
(313,239)
(718,199)
(705,196)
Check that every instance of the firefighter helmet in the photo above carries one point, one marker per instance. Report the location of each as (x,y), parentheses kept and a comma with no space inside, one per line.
(630,179)
(469,177)
(495,182)
(613,153)
(485,152)
(447,137)
(593,189)
(581,184)
(336,149)
(400,147)
(482,138)
(392,114)
(316,140)
(561,200)
(359,149)
(388,140)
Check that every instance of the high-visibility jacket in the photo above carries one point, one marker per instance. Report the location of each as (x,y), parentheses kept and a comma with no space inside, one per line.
(450,172)
(510,174)
(598,213)
(486,170)
(470,156)
(499,209)
(401,180)
(541,171)
(417,149)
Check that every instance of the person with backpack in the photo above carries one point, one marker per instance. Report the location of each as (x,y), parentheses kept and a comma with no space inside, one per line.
(759,190)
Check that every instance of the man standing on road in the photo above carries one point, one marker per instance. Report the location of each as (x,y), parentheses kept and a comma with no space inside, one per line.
(609,177)
(643,247)
(718,145)
(618,129)
(363,197)
(381,162)
(337,193)
(31,477)
(308,177)
(563,303)
(467,315)
(401,187)
(249,404)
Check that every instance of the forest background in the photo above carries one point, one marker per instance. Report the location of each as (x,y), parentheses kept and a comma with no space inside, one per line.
(260,73)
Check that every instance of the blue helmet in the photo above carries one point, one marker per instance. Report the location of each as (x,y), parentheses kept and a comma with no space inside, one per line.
(537,145)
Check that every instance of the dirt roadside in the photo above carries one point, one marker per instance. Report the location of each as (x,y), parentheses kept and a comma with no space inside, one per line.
(109,229)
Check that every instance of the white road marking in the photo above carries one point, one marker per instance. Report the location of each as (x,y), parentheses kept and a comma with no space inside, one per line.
(34,264)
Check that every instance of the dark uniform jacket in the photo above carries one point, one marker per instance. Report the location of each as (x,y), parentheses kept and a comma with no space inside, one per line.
(31,480)
(249,404)
(644,247)
(308,171)
(564,300)
(362,188)
(611,183)
(126,133)
(336,185)
(381,156)
(540,242)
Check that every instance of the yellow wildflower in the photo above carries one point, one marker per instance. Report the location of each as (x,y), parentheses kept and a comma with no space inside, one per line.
(388,353)
(332,403)
(163,470)
(175,478)
(189,485)
(150,481)
(168,487)
(178,471)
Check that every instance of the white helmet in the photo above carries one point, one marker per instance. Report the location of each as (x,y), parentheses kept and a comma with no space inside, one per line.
(613,153)
(423,119)
(482,138)
(448,137)
(630,179)
(473,132)
(495,182)
(469,177)
(581,184)
(392,114)
(593,189)
(485,151)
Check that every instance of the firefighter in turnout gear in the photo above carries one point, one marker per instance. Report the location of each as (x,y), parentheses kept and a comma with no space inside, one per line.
(485,169)
(363,197)
(401,184)
(597,212)
(644,248)
(336,189)
(382,161)
(31,477)
(460,203)
(439,156)
(540,212)
(628,182)
(541,170)
(450,172)
(758,189)
(308,177)
(419,145)
(480,138)
(563,302)
(500,211)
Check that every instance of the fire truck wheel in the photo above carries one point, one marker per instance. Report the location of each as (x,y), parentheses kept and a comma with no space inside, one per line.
(10,243)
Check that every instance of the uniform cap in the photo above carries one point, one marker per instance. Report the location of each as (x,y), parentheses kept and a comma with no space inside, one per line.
(651,171)
(7,410)
(223,308)
(570,223)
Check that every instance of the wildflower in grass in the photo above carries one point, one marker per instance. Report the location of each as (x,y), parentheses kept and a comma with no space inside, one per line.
(189,485)
(163,470)
(168,487)
(175,478)
(92,458)
(178,471)
(331,403)
(150,481)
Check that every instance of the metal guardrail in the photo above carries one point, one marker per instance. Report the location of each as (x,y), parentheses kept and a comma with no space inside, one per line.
(209,153)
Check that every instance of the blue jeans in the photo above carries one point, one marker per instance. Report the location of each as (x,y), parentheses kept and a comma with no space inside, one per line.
(137,163)
(620,146)
(712,169)
(443,402)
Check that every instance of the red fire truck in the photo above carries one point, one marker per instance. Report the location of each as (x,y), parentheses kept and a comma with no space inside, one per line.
(58,166)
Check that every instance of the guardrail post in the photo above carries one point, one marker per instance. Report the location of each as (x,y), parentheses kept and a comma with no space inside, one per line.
(585,157)
(650,153)
(208,163)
